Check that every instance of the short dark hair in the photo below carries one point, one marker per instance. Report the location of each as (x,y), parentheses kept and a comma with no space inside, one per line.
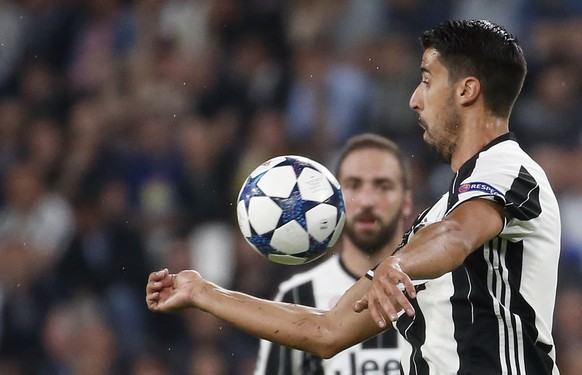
(375,141)
(485,50)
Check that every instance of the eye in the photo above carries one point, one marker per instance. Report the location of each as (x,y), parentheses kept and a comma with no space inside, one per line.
(386,186)
(350,184)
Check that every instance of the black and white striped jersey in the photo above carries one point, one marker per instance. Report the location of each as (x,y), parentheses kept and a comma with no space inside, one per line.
(321,287)
(493,314)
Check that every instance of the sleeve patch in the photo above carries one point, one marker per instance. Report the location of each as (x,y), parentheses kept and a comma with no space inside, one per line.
(478,186)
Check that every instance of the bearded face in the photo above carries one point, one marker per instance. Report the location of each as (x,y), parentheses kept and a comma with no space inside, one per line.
(434,101)
(442,133)
(372,183)
(370,241)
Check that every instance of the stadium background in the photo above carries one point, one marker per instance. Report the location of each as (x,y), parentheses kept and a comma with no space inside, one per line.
(127,127)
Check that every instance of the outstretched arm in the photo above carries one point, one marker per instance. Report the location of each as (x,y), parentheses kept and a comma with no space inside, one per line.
(323,333)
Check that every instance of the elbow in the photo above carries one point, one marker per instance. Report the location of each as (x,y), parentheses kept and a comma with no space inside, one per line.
(328,349)
(328,339)
(329,345)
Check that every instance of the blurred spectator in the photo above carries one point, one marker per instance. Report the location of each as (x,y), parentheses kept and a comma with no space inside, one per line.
(568,325)
(42,90)
(106,257)
(104,40)
(51,27)
(92,147)
(571,360)
(149,363)
(328,100)
(212,251)
(187,24)
(414,16)
(58,341)
(508,13)
(35,225)
(553,29)
(208,359)
(12,28)
(44,147)
(393,69)
(78,340)
(208,154)
(550,113)
(265,139)
(13,119)
(553,9)
(153,172)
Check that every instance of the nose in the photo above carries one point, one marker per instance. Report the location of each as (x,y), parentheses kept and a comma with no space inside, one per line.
(367,197)
(415,103)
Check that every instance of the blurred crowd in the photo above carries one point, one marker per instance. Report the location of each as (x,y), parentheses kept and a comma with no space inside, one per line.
(128,126)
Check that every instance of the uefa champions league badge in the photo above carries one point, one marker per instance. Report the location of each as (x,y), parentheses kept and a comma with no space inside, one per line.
(478,186)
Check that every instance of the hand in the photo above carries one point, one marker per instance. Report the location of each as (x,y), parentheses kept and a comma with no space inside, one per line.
(386,296)
(167,292)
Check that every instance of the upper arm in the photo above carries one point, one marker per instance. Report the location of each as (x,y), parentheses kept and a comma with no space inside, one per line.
(444,245)
(479,221)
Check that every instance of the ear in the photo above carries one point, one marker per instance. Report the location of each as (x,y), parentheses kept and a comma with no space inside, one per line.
(468,90)
(407,204)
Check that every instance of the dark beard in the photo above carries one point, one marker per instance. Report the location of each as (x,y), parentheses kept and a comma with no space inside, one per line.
(444,150)
(439,154)
(373,244)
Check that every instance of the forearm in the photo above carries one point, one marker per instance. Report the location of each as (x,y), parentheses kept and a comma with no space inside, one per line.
(305,328)
(279,322)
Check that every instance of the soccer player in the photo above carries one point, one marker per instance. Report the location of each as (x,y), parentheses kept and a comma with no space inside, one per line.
(375,181)
(488,250)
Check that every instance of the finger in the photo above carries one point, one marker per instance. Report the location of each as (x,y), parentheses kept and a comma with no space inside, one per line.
(158,275)
(168,280)
(389,308)
(374,309)
(402,302)
(153,286)
(152,300)
(409,286)
(386,292)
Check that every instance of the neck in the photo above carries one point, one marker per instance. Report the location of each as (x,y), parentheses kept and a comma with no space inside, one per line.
(359,262)
(476,134)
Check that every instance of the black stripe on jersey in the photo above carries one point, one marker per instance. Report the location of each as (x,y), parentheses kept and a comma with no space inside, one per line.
(414,331)
(303,295)
(509,348)
(523,198)
(279,360)
(536,356)
(279,357)
(387,339)
(463,172)
(463,312)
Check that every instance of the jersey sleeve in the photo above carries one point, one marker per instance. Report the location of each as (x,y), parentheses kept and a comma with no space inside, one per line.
(507,182)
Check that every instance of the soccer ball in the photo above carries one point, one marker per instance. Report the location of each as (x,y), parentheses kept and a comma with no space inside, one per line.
(291,210)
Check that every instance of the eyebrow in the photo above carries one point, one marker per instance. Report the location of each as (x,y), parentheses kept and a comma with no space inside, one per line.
(374,180)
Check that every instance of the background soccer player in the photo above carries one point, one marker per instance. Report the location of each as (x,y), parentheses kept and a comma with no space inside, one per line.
(375,181)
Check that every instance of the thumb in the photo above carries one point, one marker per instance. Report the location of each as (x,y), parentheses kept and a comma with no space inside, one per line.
(360,305)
